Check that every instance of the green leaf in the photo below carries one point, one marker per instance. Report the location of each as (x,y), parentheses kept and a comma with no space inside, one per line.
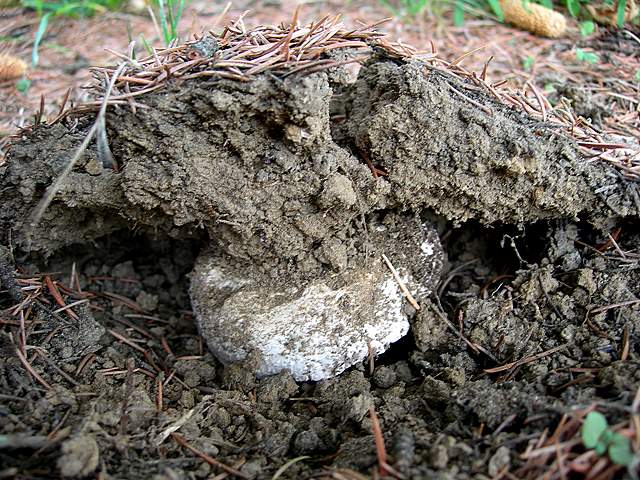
(620,450)
(23,85)
(587,28)
(595,424)
(606,436)
(574,7)
(547,3)
(601,447)
(638,75)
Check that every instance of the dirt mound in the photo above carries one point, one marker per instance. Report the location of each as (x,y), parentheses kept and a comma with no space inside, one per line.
(256,165)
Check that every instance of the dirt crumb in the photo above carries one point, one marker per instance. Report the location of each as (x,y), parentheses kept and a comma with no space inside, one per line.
(80,456)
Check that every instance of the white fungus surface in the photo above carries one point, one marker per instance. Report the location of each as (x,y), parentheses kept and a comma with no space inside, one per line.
(316,330)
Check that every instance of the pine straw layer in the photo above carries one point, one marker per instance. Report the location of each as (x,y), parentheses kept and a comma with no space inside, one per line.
(240,54)
(561,454)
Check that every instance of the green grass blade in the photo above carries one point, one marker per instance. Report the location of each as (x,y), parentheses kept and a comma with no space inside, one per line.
(497,9)
(85,9)
(417,7)
(163,22)
(37,5)
(42,27)
(176,19)
(170,21)
(94,7)
(146,45)
(622,4)
(458,13)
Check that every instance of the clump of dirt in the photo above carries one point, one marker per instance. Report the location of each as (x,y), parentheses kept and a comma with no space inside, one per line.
(452,149)
(102,369)
(256,167)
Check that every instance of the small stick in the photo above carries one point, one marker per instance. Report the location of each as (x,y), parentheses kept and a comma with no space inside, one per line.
(40,111)
(159,392)
(30,369)
(483,75)
(615,305)
(475,347)
(23,334)
(484,108)
(624,355)
(210,460)
(379,441)
(465,55)
(64,374)
(401,284)
(126,340)
(524,361)
(371,357)
(124,415)
(71,305)
(90,357)
(220,17)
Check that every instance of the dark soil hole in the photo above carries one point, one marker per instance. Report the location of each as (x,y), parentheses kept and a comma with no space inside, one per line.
(490,255)
(398,351)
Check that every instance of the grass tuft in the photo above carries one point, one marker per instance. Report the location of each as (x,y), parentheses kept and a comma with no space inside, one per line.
(64,8)
(170,13)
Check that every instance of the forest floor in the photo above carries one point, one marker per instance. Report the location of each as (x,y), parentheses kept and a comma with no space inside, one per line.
(534,324)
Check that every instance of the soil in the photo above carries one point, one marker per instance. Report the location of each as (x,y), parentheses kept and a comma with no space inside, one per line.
(274,175)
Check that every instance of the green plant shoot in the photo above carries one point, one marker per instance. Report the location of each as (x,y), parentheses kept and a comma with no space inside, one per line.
(528,62)
(23,85)
(587,28)
(587,57)
(597,435)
